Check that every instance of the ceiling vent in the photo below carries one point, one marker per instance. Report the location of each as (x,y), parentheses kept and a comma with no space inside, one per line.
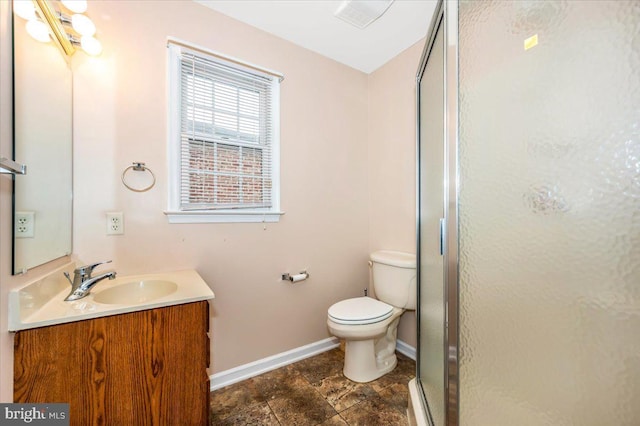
(361,13)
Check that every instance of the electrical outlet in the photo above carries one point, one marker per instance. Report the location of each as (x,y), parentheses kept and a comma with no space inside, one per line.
(25,224)
(115,223)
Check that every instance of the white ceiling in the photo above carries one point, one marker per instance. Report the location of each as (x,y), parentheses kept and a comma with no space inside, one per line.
(311,24)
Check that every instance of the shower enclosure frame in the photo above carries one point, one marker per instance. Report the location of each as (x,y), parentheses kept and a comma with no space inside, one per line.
(528,183)
(445,17)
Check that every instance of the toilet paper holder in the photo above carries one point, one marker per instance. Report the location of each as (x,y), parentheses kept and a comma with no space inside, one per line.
(303,275)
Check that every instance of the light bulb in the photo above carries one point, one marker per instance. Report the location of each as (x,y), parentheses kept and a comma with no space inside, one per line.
(76,6)
(91,45)
(83,25)
(38,30)
(24,9)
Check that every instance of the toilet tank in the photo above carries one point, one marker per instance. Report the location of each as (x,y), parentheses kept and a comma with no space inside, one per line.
(394,278)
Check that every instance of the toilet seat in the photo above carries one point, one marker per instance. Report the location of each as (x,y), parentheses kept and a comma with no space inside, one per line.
(359,311)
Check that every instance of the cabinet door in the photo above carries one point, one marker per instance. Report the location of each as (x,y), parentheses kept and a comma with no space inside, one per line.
(142,368)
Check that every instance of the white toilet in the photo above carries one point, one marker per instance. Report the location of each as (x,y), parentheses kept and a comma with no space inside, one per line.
(369,326)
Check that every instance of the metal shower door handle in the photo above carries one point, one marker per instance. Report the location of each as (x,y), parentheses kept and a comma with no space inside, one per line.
(442,231)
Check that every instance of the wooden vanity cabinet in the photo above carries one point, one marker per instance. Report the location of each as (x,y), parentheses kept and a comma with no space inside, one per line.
(141,368)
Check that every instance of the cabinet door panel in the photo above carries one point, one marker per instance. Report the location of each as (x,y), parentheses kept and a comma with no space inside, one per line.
(143,368)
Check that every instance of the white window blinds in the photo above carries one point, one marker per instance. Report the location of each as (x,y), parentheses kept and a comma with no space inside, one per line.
(226,134)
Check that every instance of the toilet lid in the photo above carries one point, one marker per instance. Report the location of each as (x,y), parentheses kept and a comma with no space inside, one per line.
(359,311)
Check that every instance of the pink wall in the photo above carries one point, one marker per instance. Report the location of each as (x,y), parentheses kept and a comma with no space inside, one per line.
(120,117)
(392,162)
(347,172)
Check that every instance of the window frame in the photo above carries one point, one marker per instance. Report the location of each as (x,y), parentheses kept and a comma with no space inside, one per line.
(174,212)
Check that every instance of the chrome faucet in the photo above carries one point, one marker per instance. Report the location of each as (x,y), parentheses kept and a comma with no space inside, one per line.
(83,282)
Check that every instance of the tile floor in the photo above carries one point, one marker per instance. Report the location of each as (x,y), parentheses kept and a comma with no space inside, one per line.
(315,392)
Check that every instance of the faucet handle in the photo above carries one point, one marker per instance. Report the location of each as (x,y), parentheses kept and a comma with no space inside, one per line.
(87,269)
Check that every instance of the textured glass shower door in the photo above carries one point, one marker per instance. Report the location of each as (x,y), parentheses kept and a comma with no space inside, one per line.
(431,213)
(549,212)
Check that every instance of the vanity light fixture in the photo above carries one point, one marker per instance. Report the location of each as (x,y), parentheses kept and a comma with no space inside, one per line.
(75,6)
(49,15)
(66,31)
(38,30)
(83,25)
(91,45)
(24,9)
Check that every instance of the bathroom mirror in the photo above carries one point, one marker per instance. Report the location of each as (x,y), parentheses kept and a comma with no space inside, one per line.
(42,106)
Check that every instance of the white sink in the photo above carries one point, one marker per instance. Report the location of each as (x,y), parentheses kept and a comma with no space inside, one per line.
(135,292)
(41,302)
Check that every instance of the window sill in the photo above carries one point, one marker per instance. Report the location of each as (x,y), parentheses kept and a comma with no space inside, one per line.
(222,217)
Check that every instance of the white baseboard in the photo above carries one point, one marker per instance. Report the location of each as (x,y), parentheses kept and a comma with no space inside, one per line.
(406,350)
(252,369)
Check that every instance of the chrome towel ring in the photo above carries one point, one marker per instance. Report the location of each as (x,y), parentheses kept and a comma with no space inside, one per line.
(138,167)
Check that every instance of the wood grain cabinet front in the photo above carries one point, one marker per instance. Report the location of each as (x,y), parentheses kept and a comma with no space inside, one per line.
(140,368)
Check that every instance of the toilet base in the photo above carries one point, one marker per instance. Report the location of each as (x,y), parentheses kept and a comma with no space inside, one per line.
(367,360)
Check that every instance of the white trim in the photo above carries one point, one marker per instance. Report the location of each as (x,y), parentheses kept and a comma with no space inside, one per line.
(173,130)
(406,349)
(174,155)
(252,67)
(200,216)
(246,371)
(255,368)
(275,147)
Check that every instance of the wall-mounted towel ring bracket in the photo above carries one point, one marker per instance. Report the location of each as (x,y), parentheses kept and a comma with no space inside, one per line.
(138,167)
(8,166)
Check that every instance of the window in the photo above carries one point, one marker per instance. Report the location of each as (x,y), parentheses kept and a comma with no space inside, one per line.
(223,139)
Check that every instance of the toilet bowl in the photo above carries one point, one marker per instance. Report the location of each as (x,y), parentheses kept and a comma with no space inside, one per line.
(370,343)
(369,326)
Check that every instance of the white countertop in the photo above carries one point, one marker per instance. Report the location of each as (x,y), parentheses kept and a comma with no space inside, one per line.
(41,302)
